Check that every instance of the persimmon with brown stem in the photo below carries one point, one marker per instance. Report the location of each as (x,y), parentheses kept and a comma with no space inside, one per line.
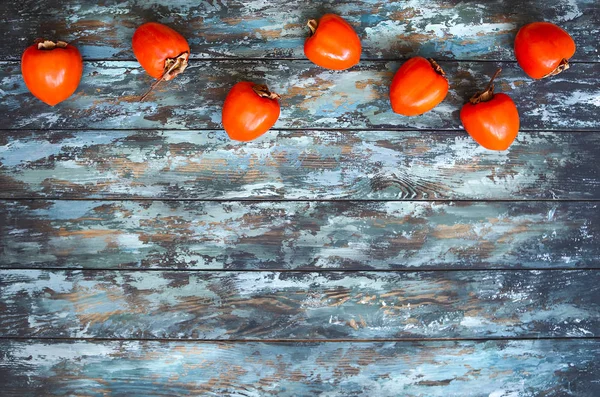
(543,49)
(52,70)
(249,111)
(333,43)
(162,52)
(491,119)
(418,86)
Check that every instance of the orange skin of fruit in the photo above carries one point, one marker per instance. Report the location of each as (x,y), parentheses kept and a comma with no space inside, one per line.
(417,88)
(246,115)
(541,46)
(52,75)
(493,124)
(334,45)
(153,43)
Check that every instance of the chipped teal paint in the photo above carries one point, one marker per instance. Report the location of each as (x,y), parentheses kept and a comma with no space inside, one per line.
(255,28)
(272,305)
(108,96)
(98,159)
(296,165)
(444,369)
(298,235)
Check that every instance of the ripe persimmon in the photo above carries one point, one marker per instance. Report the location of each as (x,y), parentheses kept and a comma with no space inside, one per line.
(418,86)
(333,43)
(491,119)
(249,111)
(51,70)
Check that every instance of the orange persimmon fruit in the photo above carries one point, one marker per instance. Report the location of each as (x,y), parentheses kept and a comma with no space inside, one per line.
(543,49)
(51,70)
(491,119)
(333,43)
(418,86)
(249,111)
(162,51)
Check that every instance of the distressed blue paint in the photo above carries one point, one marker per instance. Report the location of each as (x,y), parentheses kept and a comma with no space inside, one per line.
(448,369)
(108,96)
(298,235)
(296,165)
(388,29)
(272,305)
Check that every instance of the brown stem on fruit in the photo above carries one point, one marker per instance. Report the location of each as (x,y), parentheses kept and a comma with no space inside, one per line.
(173,67)
(312,25)
(49,45)
(263,92)
(562,66)
(486,94)
(438,69)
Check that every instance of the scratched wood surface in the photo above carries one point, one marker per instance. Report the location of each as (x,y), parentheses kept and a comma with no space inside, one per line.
(303,164)
(298,235)
(108,96)
(272,305)
(274,29)
(348,252)
(444,369)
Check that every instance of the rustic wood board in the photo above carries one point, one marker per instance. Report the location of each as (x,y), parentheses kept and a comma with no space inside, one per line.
(348,252)
(304,164)
(298,235)
(274,29)
(275,305)
(444,369)
(108,96)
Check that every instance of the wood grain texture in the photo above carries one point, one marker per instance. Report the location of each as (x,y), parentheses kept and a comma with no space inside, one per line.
(275,305)
(108,96)
(444,369)
(169,297)
(388,29)
(296,165)
(298,235)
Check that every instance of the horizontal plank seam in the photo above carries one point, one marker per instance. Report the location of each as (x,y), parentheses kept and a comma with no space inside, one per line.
(307,129)
(306,270)
(283,200)
(295,59)
(346,340)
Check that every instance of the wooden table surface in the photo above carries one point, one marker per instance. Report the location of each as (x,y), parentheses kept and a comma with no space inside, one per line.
(350,251)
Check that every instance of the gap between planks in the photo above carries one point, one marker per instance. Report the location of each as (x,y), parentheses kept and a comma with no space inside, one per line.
(301,270)
(284,200)
(311,129)
(296,59)
(296,341)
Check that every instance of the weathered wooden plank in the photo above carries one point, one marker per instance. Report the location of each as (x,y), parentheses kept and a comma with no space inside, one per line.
(448,369)
(275,305)
(388,29)
(312,97)
(296,165)
(298,235)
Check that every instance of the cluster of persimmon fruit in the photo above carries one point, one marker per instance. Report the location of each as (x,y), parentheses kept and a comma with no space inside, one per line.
(52,71)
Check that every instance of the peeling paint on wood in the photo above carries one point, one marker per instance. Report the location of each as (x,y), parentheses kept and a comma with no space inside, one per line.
(388,29)
(108,96)
(444,369)
(296,165)
(274,305)
(298,235)
(335,140)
